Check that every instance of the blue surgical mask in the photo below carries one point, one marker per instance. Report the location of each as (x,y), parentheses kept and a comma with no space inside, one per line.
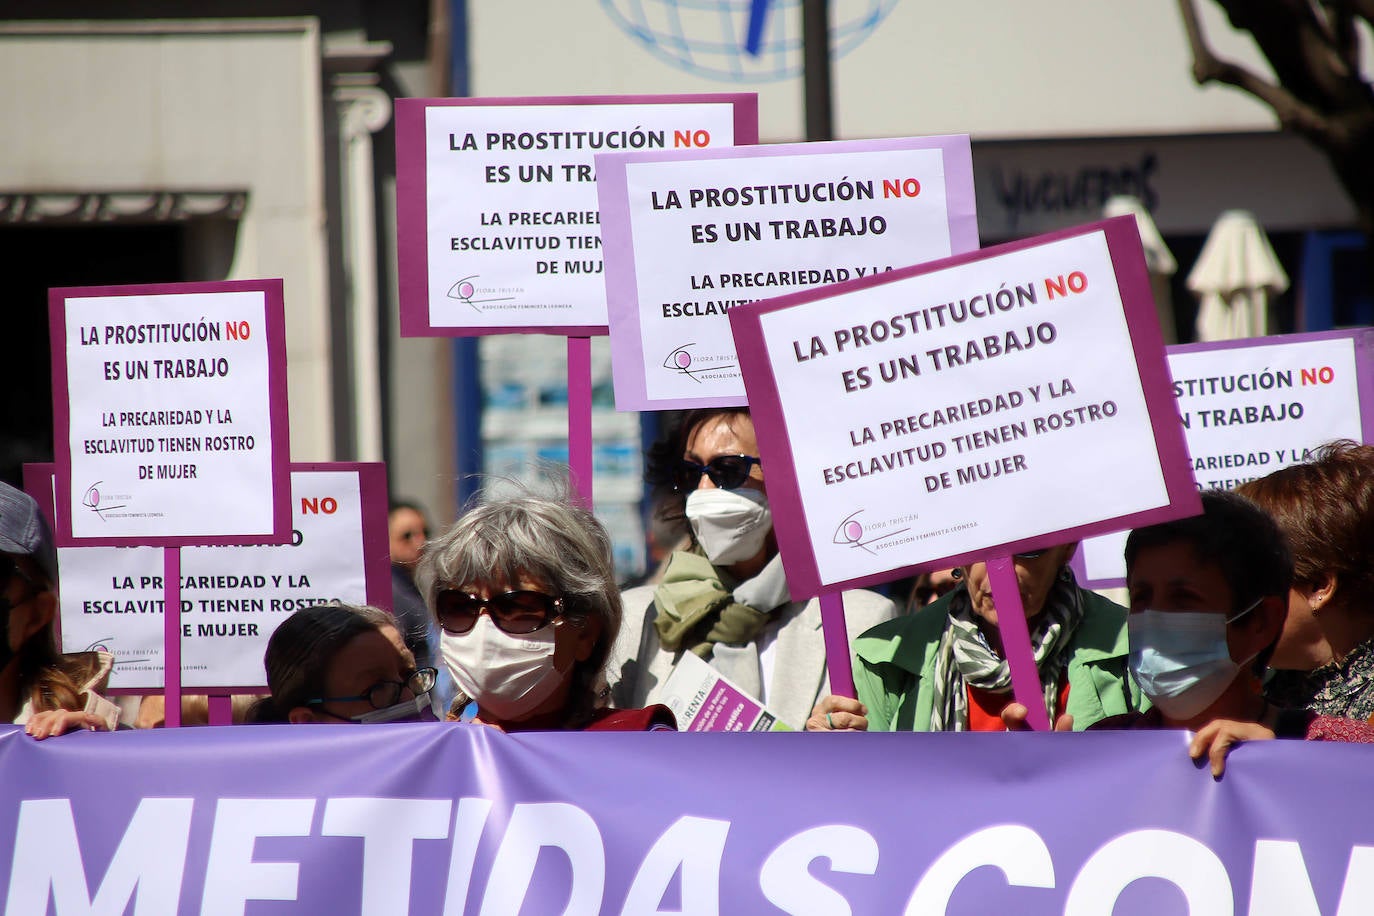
(413,710)
(1180,658)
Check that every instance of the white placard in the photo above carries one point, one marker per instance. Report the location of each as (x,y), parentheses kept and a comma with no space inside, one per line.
(170,430)
(232,598)
(1248,409)
(513,231)
(111,600)
(714,231)
(939,414)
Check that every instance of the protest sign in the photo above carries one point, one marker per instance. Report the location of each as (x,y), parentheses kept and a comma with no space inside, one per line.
(497,222)
(444,818)
(690,235)
(704,700)
(1251,407)
(232,598)
(169,406)
(980,405)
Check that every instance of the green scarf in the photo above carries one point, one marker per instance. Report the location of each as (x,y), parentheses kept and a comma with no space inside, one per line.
(697,607)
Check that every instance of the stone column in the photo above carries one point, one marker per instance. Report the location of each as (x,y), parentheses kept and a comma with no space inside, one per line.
(362,108)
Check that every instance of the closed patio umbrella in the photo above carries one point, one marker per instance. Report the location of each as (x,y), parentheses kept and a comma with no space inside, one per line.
(1158,258)
(1236,274)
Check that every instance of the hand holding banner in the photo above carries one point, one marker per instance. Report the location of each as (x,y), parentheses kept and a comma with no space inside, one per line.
(445,818)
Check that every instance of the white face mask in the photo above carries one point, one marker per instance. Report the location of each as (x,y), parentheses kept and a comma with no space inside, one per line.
(1181,659)
(509,676)
(730,525)
(416,710)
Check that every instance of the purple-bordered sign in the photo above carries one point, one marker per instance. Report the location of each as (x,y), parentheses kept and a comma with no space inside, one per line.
(497,222)
(233,597)
(981,405)
(170,415)
(1250,407)
(689,235)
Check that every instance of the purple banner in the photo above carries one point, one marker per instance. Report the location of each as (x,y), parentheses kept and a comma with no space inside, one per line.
(444,818)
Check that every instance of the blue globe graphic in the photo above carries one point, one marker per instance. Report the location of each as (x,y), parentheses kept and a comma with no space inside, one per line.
(740,41)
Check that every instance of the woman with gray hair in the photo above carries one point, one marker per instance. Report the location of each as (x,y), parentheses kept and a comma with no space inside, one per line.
(524,591)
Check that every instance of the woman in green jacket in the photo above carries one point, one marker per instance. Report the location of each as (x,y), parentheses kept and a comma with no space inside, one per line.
(943,668)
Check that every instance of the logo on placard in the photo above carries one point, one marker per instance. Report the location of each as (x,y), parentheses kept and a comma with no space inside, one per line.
(682,361)
(467,291)
(106,644)
(852,533)
(100,504)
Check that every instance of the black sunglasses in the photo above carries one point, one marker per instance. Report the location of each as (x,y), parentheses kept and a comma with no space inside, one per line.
(728,472)
(388,693)
(516,613)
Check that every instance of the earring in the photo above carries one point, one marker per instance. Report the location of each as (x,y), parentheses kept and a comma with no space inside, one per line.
(957,573)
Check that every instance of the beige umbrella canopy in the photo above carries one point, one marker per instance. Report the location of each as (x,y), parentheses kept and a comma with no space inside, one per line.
(1158,258)
(1234,277)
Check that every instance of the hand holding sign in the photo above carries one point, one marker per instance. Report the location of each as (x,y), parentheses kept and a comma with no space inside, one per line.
(994,403)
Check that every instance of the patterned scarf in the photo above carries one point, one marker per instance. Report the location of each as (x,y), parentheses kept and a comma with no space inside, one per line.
(964,657)
(1342,688)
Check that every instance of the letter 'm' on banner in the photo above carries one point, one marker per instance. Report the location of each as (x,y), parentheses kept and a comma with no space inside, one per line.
(149,862)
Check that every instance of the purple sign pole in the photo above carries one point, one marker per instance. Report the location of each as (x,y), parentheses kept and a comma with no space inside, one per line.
(1011,621)
(580,416)
(221,709)
(171,635)
(837,644)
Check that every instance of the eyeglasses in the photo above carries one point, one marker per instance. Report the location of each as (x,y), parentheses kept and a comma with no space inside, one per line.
(728,472)
(516,613)
(388,693)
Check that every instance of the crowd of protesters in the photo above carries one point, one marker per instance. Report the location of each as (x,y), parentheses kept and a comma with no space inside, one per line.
(1252,620)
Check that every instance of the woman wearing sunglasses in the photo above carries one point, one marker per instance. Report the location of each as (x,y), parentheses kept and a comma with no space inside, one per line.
(524,592)
(943,668)
(725,597)
(339,663)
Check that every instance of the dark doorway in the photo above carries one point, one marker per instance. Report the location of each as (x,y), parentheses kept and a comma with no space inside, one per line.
(40,257)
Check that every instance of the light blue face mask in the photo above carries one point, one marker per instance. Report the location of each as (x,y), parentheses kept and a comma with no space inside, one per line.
(1180,658)
(414,710)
